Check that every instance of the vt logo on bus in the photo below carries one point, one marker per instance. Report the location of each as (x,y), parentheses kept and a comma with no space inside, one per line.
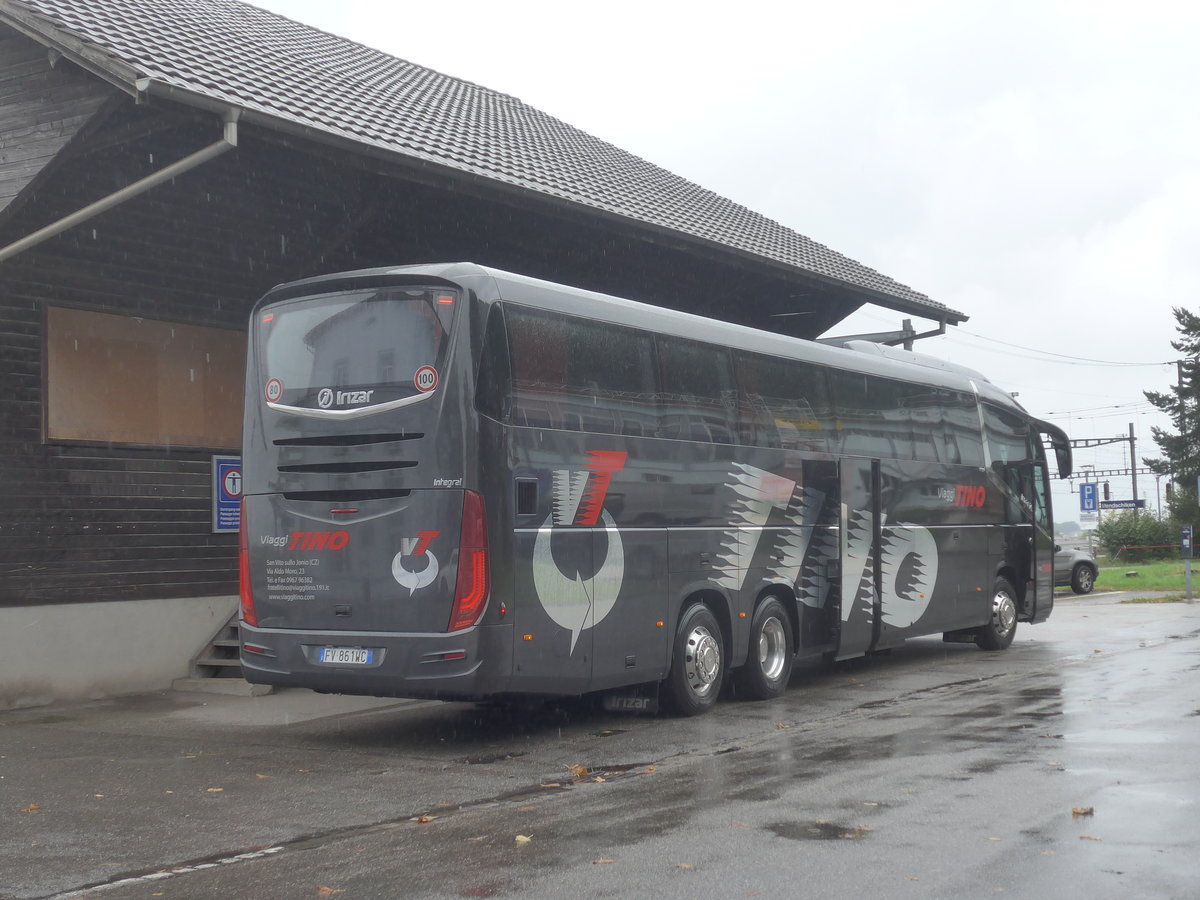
(411,550)
(578,574)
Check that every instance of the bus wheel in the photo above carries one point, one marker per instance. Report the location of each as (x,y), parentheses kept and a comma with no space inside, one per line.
(998,633)
(769,663)
(697,664)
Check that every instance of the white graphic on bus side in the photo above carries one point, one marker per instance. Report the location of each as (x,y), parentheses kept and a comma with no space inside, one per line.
(803,514)
(571,600)
(910,567)
(758,492)
(908,560)
(411,549)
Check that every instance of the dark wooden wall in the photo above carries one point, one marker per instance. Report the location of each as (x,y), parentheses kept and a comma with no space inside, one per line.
(41,108)
(86,522)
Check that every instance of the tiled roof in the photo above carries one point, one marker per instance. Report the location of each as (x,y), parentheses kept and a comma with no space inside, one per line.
(238,54)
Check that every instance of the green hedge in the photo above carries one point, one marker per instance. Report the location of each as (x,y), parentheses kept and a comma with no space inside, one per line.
(1130,528)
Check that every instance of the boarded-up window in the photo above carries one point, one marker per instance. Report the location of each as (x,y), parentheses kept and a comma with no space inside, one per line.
(127,380)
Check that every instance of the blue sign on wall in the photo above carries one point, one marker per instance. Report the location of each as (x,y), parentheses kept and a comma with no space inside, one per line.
(226,493)
(1087,497)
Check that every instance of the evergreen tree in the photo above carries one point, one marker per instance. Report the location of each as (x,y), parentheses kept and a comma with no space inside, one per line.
(1181,449)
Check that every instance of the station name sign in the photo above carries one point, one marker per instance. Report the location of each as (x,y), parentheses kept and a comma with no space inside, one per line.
(1122,504)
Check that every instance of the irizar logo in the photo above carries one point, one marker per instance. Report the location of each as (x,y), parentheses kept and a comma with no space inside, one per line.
(412,549)
(327,397)
(578,574)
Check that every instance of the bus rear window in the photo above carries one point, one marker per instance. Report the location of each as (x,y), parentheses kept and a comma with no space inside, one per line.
(361,348)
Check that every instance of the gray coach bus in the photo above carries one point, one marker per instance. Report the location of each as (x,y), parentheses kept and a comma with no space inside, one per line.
(463,483)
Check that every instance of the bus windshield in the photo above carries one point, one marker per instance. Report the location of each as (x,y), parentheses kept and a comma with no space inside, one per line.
(356,349)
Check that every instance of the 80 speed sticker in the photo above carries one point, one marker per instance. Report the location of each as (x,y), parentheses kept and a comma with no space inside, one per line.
(273,390)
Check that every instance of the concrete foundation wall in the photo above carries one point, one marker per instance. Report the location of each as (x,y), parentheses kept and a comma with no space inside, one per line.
(85,651)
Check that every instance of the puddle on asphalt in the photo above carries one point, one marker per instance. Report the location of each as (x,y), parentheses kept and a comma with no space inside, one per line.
(817,831)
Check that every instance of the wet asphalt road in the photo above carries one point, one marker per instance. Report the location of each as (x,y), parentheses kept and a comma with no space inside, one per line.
(934,771)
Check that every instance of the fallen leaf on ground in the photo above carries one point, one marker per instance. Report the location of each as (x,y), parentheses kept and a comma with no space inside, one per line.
(597,779)
(781,725)
(1083,811)
(524,838)
(424,820)
(325,891)
(526,808)
(603,862)
(1089,837)
(256,775)
(577,770)
(31,808)
(741,824)
(214,790)
(651,768)
(684,866)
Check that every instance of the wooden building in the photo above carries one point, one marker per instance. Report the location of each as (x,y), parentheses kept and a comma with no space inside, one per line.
(162,163)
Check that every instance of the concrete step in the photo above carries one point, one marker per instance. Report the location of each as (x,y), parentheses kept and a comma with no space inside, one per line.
(234,686)
(231,662)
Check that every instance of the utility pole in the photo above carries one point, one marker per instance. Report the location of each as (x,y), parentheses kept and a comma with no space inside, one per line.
(1133,467)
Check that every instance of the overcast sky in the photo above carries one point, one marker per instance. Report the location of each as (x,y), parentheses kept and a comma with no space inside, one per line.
(1035,165)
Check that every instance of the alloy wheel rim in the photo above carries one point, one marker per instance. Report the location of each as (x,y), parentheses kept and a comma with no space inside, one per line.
(703,661)
(1004,612)
(772,649)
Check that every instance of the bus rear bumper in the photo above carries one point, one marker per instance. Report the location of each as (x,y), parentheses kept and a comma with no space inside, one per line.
(463,665)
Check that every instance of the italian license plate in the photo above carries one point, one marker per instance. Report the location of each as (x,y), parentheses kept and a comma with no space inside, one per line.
(347,656)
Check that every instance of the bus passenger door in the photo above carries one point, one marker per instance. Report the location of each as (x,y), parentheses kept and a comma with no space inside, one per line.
(1042,577)
(859,526)
(1031,552)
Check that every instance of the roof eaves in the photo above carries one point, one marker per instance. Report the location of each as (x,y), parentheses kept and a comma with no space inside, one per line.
(84,54)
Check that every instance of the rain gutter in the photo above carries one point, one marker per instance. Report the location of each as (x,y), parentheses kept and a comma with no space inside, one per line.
(228,141)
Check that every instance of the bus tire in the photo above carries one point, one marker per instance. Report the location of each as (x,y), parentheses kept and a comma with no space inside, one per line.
(697,663)
(998,633)
(769,663)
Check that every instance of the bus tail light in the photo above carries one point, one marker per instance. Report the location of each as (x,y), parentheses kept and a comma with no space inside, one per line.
(471,592)
(249,616)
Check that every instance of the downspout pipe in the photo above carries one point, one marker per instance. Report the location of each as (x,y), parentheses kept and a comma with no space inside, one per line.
(227,142)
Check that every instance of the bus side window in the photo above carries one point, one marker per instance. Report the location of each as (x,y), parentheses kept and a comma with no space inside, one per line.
(610,377)
(961,441)
(873,415)
(781,403)
(537,357)
(924,408)
(697,400)
(580,375)
(493,390)
(1008,435)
